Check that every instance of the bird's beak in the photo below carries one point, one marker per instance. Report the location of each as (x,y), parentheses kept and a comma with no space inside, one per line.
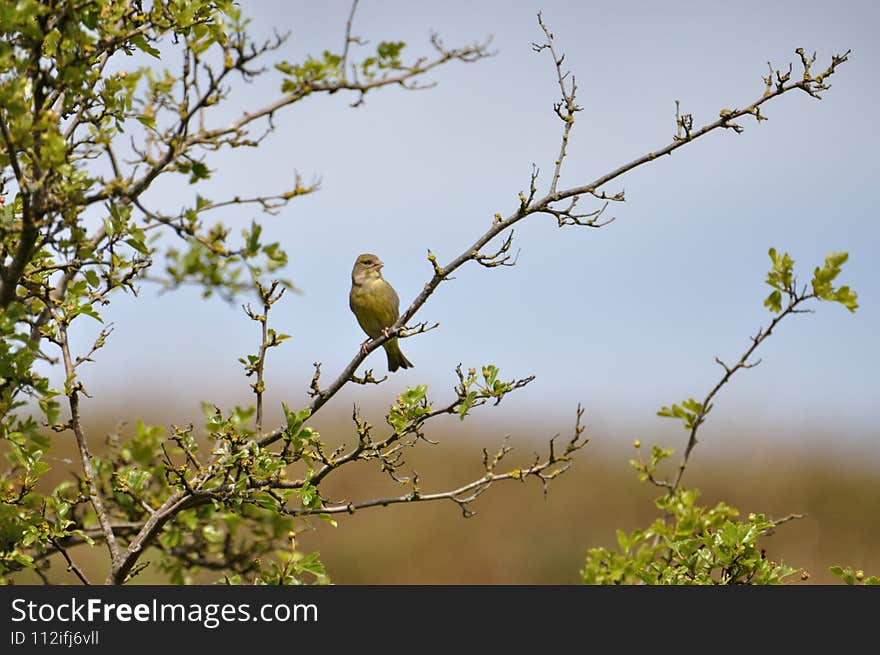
(379,264)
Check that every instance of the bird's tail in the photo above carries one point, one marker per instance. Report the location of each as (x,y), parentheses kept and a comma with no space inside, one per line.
(396,358)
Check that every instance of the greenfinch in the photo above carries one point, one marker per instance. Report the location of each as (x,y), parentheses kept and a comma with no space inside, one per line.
(376,306)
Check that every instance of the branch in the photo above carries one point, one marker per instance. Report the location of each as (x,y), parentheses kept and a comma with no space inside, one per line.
(729,371)
(269,204)
(74,389)
(255,365)
(85,105)
(367,448)
(11,273)
(565,108)
(784,519)
(70,565)
(545,470)
(61,288)
(175,503)
(72,540)
(348,40)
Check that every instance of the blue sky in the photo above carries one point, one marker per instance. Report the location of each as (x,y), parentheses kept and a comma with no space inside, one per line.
(623,319)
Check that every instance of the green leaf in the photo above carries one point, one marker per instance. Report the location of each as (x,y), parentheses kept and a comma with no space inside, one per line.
(50,42)
(138,244)
(311,564)
(213,534)
(774,301)
(169,538)
(410,407)
(141,43)
(846,297)
(92,278)
(147,119)
(8,214)
(137,479)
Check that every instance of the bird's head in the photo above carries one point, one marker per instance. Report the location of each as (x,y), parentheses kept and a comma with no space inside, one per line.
(367,267)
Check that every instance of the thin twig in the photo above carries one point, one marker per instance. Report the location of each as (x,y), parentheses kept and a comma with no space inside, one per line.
(743,363)
(553,465)
(70,564)
(85,455)
(348,39)
(565,108)
(260,386)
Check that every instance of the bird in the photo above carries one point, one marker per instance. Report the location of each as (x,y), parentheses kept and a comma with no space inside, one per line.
(376,306)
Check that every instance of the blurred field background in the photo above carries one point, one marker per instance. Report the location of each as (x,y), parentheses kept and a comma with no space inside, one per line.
(519,537)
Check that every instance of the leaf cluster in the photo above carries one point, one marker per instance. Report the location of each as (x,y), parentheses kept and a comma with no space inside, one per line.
(690,544)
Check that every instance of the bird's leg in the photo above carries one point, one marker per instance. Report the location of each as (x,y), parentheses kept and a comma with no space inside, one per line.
(364,346)
(385,332)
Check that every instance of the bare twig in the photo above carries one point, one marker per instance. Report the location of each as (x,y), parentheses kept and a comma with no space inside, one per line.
(368,378)
(70,564)
(565,108)
(269,295)
(269,204)
(544,469)
(85,456)
(381,449)
(729,371)
(784,519)
(348,40)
